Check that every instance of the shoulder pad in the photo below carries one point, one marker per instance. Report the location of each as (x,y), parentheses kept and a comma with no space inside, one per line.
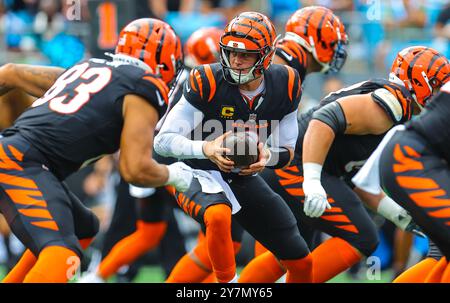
(390,101)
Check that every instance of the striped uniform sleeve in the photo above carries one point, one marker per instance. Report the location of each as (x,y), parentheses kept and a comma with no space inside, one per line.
(200,88)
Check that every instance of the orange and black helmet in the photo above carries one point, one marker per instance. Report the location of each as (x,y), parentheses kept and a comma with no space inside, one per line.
(321,33)
(249,32)
(155,43)
(202,47)
(422,70)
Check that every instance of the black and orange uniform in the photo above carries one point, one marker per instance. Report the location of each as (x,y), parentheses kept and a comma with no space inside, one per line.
(262,212)
(347,219)
(77,121)
(415,172)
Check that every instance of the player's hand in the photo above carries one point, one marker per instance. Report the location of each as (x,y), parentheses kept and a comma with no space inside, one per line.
(257,167)
(180,176)
(214,151)
(315,199)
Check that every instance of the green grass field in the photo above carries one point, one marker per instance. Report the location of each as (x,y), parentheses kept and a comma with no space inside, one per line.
(155,274)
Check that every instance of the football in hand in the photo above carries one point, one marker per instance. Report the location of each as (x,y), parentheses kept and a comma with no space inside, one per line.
(243,148)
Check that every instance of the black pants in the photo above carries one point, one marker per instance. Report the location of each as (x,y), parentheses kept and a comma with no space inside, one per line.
(415,176)
(347,219)
(264,215)
(40,210)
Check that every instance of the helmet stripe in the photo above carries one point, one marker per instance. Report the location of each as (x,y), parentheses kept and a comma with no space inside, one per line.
(432,61)
(160,45)
(256,29)
(413,62)
(269,31)
(144,45)
(305,32)
(319,28)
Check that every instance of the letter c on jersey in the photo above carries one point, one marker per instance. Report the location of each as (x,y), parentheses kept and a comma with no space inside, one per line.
(227,112)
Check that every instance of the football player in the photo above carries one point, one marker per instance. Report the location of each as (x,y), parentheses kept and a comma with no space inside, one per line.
(412,165)
(91,109)
(217,99)
(315,41)
(202,47)
(335,139)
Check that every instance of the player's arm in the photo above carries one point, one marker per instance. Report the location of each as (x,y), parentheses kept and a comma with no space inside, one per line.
(389,209)
(172,140)
(355,115)
(135,161)
(34,80)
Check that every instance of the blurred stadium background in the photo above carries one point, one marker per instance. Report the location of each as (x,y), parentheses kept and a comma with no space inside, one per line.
(62,32)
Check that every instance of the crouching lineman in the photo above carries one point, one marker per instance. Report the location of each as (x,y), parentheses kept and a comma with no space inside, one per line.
(335,139)
(412,165)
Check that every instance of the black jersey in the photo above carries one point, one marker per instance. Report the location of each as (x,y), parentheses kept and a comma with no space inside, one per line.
(222,102)
(434,122)
(349,152)
(294,54)
(80,117)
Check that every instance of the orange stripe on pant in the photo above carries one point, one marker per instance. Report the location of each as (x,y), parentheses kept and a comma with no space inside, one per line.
(6,162)
(17,181)
(26,197)
(404,163)
(429,198)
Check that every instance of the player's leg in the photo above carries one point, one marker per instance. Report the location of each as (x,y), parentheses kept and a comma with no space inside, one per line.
(150,228)
(193,267)
(350,245)
(213,211)
(413,174)
(87,224)
(267,268)
(20,270)
(269,220)
(236,235)
(38,211)
(86,227)
(353,233)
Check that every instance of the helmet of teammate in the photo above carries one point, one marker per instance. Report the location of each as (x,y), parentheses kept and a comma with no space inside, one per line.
(202,47)
(321,33)
(154,43)
(250,33)
(422,70)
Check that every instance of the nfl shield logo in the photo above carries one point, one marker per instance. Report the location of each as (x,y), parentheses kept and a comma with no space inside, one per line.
(235,44)
(252,117)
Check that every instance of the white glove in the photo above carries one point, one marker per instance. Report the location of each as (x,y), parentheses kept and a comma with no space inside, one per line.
(180,176)
(315,196)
